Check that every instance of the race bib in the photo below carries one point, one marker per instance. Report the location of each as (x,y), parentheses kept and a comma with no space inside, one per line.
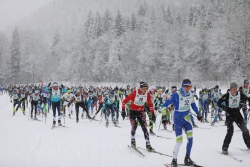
(140,100)
(205,96)
(184,102)
(234,101)
(35,98)
(22,96)
(78,98)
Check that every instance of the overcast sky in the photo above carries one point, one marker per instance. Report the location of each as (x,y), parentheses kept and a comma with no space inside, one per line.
(14,10)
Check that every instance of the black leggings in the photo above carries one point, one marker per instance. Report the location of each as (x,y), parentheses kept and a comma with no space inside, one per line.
(238,119)
(33,106)
(99,108)
(83,107)
(140,116)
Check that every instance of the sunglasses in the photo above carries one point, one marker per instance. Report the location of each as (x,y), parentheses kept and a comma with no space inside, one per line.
(187,86)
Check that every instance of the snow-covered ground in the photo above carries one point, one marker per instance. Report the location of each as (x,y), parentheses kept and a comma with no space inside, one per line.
(28,143)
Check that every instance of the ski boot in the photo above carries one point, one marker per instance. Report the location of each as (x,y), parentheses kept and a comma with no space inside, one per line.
(54,123)
(114,122)
(149,148)
(93,117)
(13,113)
(107,123)
(31,116)
(173,127)
(224,151)
(82,116)
(133,143)
(206,121)
(174,163)
(77,120)
(69,116)
(188,161)
(212,124)
(151,132)
(88,116)
(165,126)
(59,123)
(194,125)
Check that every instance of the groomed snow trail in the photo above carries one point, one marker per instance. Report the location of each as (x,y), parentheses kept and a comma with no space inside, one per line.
(28,143)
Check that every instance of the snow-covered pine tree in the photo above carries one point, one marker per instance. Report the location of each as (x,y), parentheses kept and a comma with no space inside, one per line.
(15,57)
(119,25)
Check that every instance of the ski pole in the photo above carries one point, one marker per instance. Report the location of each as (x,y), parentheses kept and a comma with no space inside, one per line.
(29,114)
(160,124)
(64,116)
(101,120)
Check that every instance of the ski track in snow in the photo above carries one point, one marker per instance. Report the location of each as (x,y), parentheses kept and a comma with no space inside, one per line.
(28,143)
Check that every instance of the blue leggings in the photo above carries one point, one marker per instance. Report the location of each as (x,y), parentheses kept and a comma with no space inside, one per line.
(180,123)
(204,106)
(56,105)
(108,109)
(216,113)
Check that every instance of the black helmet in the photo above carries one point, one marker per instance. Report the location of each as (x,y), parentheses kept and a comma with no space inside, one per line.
(143,84)
(216,87)
(246,81)
(173,87)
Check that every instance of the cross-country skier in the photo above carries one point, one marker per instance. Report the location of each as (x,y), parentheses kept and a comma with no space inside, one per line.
(215,96)
(246,91)
(234,100)
(55,99)
(182,101)
(138,98)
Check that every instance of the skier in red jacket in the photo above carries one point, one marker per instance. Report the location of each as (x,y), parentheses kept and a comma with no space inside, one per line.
(138,98)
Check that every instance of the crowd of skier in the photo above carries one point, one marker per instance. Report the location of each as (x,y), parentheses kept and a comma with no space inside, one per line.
(172,104)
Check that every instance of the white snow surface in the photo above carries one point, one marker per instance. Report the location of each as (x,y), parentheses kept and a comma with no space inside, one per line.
(28,143)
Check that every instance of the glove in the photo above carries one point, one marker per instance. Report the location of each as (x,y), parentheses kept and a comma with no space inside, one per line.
(11,101)
(225,108)
(199,118)
(153,117)
(123,113)
(197,98)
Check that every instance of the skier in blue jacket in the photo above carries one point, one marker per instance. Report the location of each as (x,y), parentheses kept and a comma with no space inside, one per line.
(182,100)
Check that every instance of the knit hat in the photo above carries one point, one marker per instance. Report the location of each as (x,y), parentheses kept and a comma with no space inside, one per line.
(233,85)
(186,82)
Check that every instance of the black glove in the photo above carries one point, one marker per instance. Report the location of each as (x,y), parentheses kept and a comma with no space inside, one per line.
(225,108)
(199,118)
(153,117)
(123,113)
